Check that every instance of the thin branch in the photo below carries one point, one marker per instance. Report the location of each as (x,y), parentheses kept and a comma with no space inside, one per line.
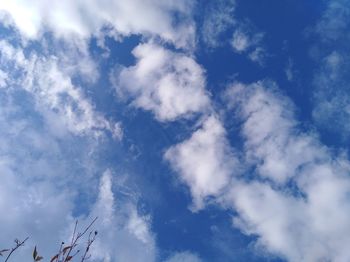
(86,229)
(18,244)
(75,229)
(77,237)
(89,243)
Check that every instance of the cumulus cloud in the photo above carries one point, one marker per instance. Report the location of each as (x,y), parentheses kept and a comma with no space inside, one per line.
(169,84)
(304,219)
(81,19)
(271,132)
(296,200)
(204,162)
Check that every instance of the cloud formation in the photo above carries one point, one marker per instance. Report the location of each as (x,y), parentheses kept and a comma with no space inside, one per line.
(246,40)
(50,157)
(79,19)
(330,51)
(295,202)
(204,161)
(63,104)
(169,84)
(124,234)
(303,219)
(218,19)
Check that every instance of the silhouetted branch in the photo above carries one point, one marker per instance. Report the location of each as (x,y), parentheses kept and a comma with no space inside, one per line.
(18,244)
(75,241)
(65,253)
(89,243)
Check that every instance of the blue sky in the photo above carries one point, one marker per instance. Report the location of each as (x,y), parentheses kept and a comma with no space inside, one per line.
(195,130)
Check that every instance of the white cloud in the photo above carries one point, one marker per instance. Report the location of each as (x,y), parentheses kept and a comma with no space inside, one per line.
(334,21)
(330,52)
(42,181)
(246,40)
(184,257)
(33,171)
(204,161)
(300,212)
(258,55)
(306,218)
(83,19)
(49,152)
(240,41)
(171,85)
(218,18)
(46,169)
(39,211)
(271,132)
(40,189)
(124,235)
(48,79)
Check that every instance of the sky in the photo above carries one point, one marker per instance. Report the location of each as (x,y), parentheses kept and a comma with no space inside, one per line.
(195,130)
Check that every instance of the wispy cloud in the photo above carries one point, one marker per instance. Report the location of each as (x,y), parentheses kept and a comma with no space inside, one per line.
(63,104)
(218,18)
(331,53)
(247,40)
(184,257)
(125,235)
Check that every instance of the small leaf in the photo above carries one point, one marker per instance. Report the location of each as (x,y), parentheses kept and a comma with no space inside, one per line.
(35,253)
(66,249)
(3,251)
(38,258)
(54,258)
(69,258)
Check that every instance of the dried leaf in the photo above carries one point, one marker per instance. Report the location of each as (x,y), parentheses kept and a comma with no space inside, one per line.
(69,258)
(35,253)
(66,249)
(3,251)
(38,258)
(54,258)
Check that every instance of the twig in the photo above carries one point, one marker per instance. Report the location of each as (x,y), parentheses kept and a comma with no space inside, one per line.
(89,243)
(18,244)
(75,240)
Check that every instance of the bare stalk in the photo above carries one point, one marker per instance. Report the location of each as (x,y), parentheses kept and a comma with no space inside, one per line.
(75,239)
(18,244)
